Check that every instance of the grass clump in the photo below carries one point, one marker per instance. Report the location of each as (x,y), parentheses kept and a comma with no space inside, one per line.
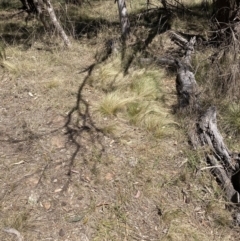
(150,116)
(231,119)
(109,77)
(136,97)
(113,103)
(145,84)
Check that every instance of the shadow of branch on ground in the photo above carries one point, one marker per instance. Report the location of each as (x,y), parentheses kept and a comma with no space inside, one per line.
(82,131)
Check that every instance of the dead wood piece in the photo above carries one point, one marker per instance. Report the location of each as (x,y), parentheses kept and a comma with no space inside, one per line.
(206,132)
(209,134)
(183,43)
(29,6)
(166,61)
(231,194)
(123,15)
(56,23)
(38,7)
(189,50)
(186,85)
(178,39)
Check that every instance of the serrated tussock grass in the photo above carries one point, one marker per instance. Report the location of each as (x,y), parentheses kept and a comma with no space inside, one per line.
(231,119)
(136,96)
(113,102)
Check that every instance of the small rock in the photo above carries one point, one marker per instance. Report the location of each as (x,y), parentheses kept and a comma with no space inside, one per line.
(33,199)
(75,219)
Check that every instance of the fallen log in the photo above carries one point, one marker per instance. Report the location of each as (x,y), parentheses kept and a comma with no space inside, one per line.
(226,183)
(186,85)
(209,135)
(225,166)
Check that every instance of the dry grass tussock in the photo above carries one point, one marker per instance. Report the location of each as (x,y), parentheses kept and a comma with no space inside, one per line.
(231,119)
(135,97)
(98,155)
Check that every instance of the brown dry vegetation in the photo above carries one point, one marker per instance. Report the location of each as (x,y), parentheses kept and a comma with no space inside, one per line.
(88,153)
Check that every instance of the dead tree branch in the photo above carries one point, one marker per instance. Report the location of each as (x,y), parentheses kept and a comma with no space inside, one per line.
(186,85)
(220,173)
(207,134)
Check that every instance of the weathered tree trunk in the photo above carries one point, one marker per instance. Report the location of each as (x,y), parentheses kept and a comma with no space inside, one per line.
(125,24)
(186,84)
(56,23)
(218,170)
(209,135)
(37,7)
(224,165)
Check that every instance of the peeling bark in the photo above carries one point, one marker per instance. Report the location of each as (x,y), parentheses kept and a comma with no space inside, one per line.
(186,85)
(225,165)
(209,135)
(231,194)
(125,24)
(56,23)
(37,7)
